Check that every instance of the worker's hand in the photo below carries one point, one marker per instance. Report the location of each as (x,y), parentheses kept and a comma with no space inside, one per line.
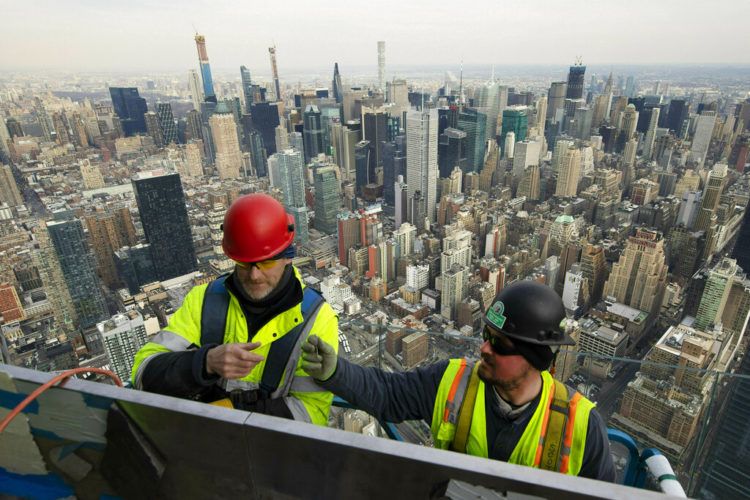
(318,358)
(232,361)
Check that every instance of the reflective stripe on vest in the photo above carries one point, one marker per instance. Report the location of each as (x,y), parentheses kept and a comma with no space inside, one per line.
(282,358)
(569,456)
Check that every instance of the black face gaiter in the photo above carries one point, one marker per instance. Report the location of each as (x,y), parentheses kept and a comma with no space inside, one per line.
(538,356)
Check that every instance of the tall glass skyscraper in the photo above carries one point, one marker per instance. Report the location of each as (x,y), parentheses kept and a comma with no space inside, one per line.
(336,86)
(161,205)
(326,199)
(576,76)
(130,107)
(394,164)
(291,168)
(375,130)
(247,87)
(312,132)
(166,121)
(79,270)
(516,120)
(474,123)
(265,120)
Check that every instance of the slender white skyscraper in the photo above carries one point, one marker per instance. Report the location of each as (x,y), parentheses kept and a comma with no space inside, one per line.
(196,94)
(648,143)
(381,65)
(421,157)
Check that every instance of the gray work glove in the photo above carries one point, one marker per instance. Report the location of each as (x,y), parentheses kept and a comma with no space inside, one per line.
(318,358)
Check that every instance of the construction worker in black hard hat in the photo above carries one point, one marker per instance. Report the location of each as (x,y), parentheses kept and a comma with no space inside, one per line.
(507,406)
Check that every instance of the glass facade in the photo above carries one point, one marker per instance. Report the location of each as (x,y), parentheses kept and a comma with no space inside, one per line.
(79,270)
(161,205)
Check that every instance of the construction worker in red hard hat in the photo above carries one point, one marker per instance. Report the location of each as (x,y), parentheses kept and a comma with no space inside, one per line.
(505,406)
(237,339)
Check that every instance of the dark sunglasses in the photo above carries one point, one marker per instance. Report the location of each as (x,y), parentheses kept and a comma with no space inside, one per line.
(497,344)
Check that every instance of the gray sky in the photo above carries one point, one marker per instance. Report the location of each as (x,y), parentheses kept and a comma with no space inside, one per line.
(104,35)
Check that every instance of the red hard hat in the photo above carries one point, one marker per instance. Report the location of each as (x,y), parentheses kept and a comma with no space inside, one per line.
(256,227)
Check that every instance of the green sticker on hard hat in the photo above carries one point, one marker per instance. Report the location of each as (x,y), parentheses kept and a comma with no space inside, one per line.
(495,314)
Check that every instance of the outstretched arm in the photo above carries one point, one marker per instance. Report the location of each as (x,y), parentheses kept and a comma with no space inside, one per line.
(393,397)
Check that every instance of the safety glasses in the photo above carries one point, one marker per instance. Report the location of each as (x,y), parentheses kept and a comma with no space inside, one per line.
(263,265)
(500,345)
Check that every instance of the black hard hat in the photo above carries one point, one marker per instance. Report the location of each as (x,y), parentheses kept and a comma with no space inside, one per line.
(529,312)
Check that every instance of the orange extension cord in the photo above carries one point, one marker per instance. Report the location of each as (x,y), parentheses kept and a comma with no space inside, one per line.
(64,376)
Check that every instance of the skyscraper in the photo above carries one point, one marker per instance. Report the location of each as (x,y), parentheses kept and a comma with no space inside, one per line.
(556,100)
(715,294)
(161,205)
(569,173)
(208,82)
(704,129)
(166,121)
(194,84)
(109,230)
(576,76)
(291,167)
(226,143)
(474,124)
(638,279)
(337,89)
(326,199)
(676,116)
(374,130)
(130,108)
(381,65)
(529,186)
(79,270)
(312,132)
(4,138)
(516,120)
(451,151)
(362,160)
(594,268)
(421,157)
(627,127)
(648,144)
(490,99)
(123,335)
(394,164)
(247,87)
(454,288)
(265,120)
(525,154)
(275,72)
(9,192)
(717,179)
(153,128)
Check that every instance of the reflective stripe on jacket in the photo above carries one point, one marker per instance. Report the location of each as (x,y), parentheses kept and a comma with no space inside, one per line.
(305,399)
(525,451)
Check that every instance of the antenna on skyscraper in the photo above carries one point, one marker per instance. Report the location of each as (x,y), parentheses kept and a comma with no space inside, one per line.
(579,61)
(492,76)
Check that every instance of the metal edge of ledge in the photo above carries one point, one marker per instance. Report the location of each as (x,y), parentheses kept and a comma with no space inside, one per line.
(368,466)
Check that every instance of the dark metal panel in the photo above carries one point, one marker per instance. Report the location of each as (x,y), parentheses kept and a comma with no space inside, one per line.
(204,451)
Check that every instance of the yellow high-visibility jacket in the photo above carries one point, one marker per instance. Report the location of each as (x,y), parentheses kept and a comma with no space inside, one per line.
(185,377)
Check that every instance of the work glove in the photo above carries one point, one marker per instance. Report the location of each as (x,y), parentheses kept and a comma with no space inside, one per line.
(319,359)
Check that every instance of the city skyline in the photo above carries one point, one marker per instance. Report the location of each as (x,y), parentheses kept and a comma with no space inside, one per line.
(148,36)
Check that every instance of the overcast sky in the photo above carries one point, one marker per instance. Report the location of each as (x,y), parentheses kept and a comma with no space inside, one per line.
(132,35)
